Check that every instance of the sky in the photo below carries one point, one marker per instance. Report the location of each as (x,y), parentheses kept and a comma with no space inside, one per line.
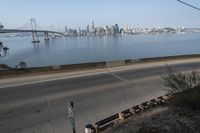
(79,13)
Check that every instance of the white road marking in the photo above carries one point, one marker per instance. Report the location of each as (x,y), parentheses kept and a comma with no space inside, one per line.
(116,76)
(55,79)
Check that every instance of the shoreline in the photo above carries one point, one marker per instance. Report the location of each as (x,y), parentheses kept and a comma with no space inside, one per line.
(12,72)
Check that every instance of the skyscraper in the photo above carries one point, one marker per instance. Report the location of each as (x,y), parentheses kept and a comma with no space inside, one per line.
(88,29)
(66,29)
(116,29)
(93,25)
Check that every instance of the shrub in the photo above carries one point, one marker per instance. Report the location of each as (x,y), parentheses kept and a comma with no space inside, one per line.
(180,81)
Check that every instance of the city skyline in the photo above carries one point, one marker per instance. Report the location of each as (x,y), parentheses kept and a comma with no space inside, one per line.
(74,14)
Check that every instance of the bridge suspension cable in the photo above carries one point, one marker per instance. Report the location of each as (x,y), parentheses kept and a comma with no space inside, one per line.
(38,25)
(27,25)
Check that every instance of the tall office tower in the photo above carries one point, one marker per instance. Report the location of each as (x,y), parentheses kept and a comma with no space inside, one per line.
(88,29)
(65,29)
(113,30)
(93,25)
(116,29)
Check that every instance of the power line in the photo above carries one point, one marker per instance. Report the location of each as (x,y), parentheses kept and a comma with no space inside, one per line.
(189,5)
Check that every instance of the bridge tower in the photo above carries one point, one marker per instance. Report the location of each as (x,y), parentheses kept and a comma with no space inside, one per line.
(34,32)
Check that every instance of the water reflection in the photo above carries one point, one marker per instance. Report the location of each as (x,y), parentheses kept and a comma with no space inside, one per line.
(47,45)
(69,50)
(36,48)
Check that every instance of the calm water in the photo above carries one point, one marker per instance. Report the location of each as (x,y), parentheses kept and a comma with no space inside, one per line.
(72,50)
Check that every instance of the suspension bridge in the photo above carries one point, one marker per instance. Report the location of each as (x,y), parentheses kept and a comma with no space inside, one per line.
(33,27)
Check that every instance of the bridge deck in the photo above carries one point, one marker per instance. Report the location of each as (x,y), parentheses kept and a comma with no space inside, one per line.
(18,31)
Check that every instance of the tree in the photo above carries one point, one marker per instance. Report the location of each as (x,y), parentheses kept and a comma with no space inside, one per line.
(22,65)
(3,49)
(1,26)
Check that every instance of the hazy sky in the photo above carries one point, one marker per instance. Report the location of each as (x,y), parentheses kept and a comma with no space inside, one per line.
(79,13)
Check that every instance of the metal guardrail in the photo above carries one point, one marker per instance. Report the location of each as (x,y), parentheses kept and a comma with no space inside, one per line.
(117,118)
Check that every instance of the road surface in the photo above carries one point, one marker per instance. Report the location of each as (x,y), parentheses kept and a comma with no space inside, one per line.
(39,105)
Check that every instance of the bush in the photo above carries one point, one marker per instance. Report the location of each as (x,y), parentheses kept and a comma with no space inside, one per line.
(180,81)
(185,87)
(4,67)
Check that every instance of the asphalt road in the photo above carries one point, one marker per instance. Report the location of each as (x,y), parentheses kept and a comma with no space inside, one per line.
(42,107)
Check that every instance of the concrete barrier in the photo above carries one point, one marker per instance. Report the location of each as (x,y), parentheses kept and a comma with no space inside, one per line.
(130,61)
(115,63)
(90,129)
(56,67)
(69,67)
(107,122)
(121,116)
(84,65)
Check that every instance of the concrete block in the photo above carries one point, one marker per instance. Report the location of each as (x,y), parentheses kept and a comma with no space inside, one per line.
(115,63)
(121,116)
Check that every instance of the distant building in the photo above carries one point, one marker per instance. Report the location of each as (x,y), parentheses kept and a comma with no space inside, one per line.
(66,29)
(75,33)
(107,30)
(116,29)
(121,31)
(88,29)
(113,30)
(93,26)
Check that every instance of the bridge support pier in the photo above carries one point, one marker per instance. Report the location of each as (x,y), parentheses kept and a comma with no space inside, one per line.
(35,37)
(46,34)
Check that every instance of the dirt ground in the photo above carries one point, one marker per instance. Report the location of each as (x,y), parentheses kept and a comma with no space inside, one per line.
(161,120)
